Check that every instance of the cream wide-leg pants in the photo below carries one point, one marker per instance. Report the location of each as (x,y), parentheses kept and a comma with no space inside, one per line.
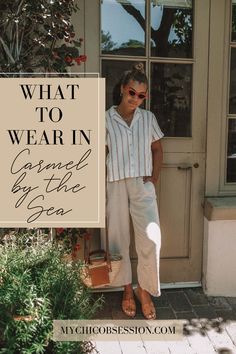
(133,197)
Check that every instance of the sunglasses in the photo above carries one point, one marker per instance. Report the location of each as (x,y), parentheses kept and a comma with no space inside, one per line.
(132,93)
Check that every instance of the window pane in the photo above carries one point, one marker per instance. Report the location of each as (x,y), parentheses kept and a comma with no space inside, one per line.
(123,27)
(231,161)
(171,28)
(112,70)
(234,21)
(232,92)
(171,87)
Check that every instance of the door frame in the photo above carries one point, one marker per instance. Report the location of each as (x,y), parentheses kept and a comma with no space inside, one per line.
(193,148)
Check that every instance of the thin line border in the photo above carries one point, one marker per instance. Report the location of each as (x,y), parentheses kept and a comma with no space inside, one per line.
(99,94)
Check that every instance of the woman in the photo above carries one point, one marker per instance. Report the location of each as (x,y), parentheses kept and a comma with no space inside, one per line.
(134,158)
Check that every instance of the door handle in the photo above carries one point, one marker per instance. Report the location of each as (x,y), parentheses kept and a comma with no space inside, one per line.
(187,167)
(184,167)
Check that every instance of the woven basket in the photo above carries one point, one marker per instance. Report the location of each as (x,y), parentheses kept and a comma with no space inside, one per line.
(101,267)
(100,272)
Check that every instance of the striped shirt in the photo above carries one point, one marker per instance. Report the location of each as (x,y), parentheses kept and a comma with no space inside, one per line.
(129,148)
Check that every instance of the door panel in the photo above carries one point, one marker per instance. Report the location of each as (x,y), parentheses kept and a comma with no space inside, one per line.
(180,193)
(174,204)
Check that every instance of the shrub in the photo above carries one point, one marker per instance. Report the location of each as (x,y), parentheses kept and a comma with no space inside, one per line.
(37,286)
(38,36)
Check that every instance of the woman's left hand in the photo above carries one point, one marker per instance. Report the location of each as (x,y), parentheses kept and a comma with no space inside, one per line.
(149,179)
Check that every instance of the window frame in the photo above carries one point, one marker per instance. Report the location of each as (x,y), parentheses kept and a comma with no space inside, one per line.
(148,59)
(226,188)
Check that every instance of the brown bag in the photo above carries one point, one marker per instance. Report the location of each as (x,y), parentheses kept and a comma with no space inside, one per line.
(100,268)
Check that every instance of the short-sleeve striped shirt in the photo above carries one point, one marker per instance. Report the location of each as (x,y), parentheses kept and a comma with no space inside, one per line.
(129,148)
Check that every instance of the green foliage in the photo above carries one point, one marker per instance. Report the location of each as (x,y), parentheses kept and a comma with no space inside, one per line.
(69,237)
(107,43)
(37,36)
(37,286)
(133,43)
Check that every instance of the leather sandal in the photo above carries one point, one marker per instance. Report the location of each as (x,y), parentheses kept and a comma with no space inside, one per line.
(129,307)
(148,308)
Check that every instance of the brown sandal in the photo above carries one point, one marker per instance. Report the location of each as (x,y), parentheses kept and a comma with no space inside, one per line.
(129,307)
(148,308)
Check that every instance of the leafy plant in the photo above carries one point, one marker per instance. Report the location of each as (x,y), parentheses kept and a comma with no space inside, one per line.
(37,286)
(69,237)
(38,36)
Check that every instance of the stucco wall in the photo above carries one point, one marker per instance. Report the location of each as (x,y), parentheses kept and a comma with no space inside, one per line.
(219,257)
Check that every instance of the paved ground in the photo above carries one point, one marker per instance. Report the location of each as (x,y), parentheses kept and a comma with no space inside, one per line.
(210,323)
(176,303)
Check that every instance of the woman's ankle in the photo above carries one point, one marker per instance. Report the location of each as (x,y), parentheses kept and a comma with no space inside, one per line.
(128,289)
(144,294)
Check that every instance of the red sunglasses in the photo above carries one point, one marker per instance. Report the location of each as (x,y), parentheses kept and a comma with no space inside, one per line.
(133,93)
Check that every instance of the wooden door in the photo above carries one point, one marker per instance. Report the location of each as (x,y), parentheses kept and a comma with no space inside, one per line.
(180,190)
(177,72)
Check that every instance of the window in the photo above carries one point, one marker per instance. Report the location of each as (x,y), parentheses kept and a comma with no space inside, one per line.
(158,33)
(231,149)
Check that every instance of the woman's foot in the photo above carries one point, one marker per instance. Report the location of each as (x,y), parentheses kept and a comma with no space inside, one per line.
(128,303)
(145,300)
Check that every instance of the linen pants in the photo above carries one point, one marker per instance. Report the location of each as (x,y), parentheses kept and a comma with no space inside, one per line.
(133,197)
